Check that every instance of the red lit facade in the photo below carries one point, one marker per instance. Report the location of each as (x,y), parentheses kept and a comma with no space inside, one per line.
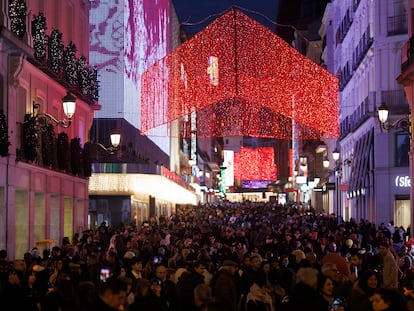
(241,80)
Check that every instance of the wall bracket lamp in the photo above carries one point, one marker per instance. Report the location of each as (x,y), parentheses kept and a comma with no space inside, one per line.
(69,107)
(403,123)
(94,148)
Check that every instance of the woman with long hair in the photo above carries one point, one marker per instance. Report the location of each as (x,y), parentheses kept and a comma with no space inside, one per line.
(325,289)
(363,289)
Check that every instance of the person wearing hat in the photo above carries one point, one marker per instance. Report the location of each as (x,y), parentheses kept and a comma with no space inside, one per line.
(225,285)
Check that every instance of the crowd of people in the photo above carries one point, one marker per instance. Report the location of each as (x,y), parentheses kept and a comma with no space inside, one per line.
(219,257)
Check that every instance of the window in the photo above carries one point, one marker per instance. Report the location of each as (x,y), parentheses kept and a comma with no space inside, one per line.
(402,149)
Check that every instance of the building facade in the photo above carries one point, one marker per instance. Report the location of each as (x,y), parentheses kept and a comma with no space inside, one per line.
(405,79)
(44,45)
(127,37)
(362,47)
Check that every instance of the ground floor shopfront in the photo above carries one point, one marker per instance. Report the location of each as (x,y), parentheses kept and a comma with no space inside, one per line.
(133,198)
(39,206)
(386,199)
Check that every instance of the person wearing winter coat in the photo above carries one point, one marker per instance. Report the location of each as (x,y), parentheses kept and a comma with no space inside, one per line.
(362,290)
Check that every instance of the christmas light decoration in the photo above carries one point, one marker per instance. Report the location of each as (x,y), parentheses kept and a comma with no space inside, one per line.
(94,83)
(39,37)
(30,138)
(83,75)
(242,80)
(48,145)
(71,73)
(55,57)
(17,14)
(255,164)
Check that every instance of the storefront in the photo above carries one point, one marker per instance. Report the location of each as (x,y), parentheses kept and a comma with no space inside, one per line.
(400,189)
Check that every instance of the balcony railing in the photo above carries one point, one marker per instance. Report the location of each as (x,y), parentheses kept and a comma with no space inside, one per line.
(407,54)
(344,26)
(397,25)
(395,99)
(362,48)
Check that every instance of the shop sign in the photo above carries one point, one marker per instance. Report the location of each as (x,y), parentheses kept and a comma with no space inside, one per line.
(402,181)
(328,186)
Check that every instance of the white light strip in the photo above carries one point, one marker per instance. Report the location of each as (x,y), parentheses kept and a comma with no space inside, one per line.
(128,184)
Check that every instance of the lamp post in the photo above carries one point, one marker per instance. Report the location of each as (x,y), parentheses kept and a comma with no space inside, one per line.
(69,108)
(338,175)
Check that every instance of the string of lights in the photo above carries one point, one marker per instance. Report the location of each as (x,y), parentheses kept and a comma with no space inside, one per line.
(240,79)
(255,164)
(211,16)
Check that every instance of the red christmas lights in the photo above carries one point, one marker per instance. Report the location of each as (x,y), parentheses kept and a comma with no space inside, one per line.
(255,164)
(241,80)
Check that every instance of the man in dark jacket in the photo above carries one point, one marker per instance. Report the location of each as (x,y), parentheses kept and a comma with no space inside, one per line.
(186,285)
(225,286)
(112,295)
(250,276)
(304,295)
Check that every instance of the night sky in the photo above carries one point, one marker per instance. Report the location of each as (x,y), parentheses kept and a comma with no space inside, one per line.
(205,11)
(195,15)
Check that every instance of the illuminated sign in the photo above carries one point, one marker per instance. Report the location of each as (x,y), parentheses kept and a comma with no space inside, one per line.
(229,163)
(213,70)
(328,186)
(301,179)
(402,181)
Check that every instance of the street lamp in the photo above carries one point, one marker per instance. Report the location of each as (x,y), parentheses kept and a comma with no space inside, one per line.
(338,175)
(115,137)
(335,154)
(92,151)
(403,123)
(325,162)
(69,107)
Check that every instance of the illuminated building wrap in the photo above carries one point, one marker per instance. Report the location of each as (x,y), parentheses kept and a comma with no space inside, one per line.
(127,37)
(242,80)
(255,166)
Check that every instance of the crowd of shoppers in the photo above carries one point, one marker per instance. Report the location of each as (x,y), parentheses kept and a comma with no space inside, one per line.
(225,256)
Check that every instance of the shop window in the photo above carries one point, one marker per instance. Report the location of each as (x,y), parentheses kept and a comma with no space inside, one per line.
(402,214)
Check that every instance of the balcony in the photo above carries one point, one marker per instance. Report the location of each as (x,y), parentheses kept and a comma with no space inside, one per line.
(395,99)
(397,25)
(344,27)
(362,48)
(407,59)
